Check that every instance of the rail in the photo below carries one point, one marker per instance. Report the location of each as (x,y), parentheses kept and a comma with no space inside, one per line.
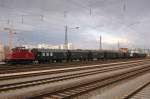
(72,77)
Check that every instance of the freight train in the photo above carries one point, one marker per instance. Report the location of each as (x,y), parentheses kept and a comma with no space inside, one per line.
(22,55)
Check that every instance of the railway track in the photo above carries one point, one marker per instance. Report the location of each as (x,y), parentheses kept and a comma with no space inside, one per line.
(62,76)
(77,68)
(73,92)
(35,83)
(143,92)
(22,68)
(134,87)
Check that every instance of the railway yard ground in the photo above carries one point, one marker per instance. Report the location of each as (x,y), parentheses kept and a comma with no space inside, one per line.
(111,79)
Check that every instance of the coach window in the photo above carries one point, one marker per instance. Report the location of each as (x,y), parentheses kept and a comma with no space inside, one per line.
(38,54)
(43,54)
(47,54)
(51,53)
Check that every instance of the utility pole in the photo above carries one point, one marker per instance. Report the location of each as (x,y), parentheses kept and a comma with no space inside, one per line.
(66,32)
(100,43)
(124,5)
(10,36)
(66,37)
(22,20)
(118,45)
(90,11)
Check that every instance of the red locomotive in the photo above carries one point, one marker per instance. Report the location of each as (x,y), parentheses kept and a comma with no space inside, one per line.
(19,55)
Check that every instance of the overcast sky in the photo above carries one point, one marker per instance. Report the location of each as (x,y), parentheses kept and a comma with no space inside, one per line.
(43,21)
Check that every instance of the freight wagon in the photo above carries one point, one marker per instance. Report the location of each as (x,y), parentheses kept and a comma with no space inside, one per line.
(21,55)
(47,55)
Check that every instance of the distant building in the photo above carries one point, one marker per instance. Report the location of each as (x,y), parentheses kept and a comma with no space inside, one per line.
(62,46)
(48,46)
(28,46)
(70,46)
(45,46)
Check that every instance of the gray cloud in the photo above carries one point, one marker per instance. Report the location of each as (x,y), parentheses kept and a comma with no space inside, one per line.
(43,21)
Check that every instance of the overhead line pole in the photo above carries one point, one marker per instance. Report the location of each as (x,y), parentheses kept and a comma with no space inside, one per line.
(66,32)
(66,37)
(118,45)
(100,45)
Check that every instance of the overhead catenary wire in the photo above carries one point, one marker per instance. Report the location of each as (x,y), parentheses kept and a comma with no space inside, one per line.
(40,16)
(80,5)
(3,5)
(87,7)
